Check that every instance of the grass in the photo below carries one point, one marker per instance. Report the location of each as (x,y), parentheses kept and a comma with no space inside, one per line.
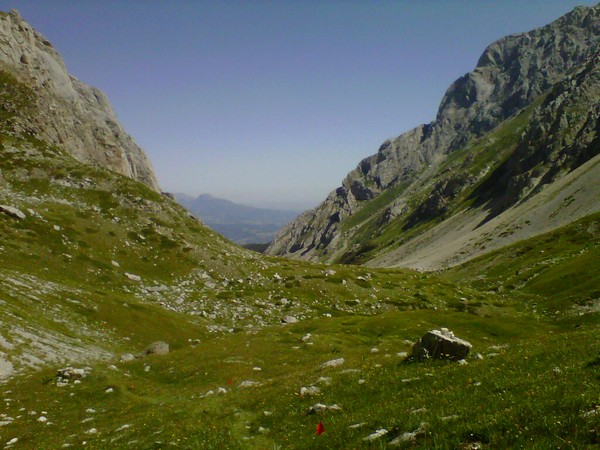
(514,399)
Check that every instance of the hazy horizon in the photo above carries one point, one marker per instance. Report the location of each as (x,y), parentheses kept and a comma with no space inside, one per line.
(271,104)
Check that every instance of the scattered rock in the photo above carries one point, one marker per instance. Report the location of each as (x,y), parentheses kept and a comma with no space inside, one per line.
(441,344)
(133,277)
(13,212)
(451,417)
(63,376)
(309,391)
(250,384)
(127,357)
(379,433)
(161,288)
(289,319)
(333,363)
(410,436)
(320,407)
(324,380)
(156,348)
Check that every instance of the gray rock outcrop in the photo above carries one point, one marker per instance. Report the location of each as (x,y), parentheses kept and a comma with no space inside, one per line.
(68,113)
(510,75)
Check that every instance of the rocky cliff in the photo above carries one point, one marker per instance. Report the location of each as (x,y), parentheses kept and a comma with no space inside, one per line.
(413,179)
(68,112)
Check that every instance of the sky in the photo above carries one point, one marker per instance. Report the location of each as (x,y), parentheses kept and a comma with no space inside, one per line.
(272,103)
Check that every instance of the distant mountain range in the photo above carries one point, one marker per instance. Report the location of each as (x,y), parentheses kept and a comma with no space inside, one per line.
(240,223)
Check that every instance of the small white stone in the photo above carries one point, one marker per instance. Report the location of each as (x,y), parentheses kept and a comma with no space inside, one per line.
(308,391)
(333,363)
(379,433)
(90,411)
(374,350)
(324,380)
(42,419)
(109,390)
(91,431)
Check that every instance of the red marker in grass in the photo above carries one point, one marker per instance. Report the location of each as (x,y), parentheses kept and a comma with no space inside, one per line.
(320,429)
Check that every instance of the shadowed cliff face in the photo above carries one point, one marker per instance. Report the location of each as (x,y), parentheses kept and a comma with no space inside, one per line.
(510,75)
(68,112)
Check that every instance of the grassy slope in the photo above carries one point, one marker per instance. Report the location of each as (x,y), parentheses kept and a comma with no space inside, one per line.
(220,310)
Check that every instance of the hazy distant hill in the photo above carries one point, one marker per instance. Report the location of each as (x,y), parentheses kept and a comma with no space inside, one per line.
(240,223)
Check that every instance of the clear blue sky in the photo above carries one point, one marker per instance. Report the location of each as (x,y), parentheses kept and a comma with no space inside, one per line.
(273,102)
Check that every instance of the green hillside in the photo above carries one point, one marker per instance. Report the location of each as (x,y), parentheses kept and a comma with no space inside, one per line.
(234,374)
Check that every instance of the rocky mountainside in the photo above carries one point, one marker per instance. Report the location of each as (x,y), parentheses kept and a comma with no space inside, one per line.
(523,119)
(69,113)
(240,223)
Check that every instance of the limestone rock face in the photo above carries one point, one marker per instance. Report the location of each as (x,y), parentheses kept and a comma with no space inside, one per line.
(510,75)
(69,113)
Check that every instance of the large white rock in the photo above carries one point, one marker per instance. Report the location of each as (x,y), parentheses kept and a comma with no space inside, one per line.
(441,344)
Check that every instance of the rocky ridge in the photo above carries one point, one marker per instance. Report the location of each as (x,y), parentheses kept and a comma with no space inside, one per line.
(69,113)
(512,74)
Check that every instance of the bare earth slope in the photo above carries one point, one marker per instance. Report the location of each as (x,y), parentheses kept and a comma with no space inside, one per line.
(484,153)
